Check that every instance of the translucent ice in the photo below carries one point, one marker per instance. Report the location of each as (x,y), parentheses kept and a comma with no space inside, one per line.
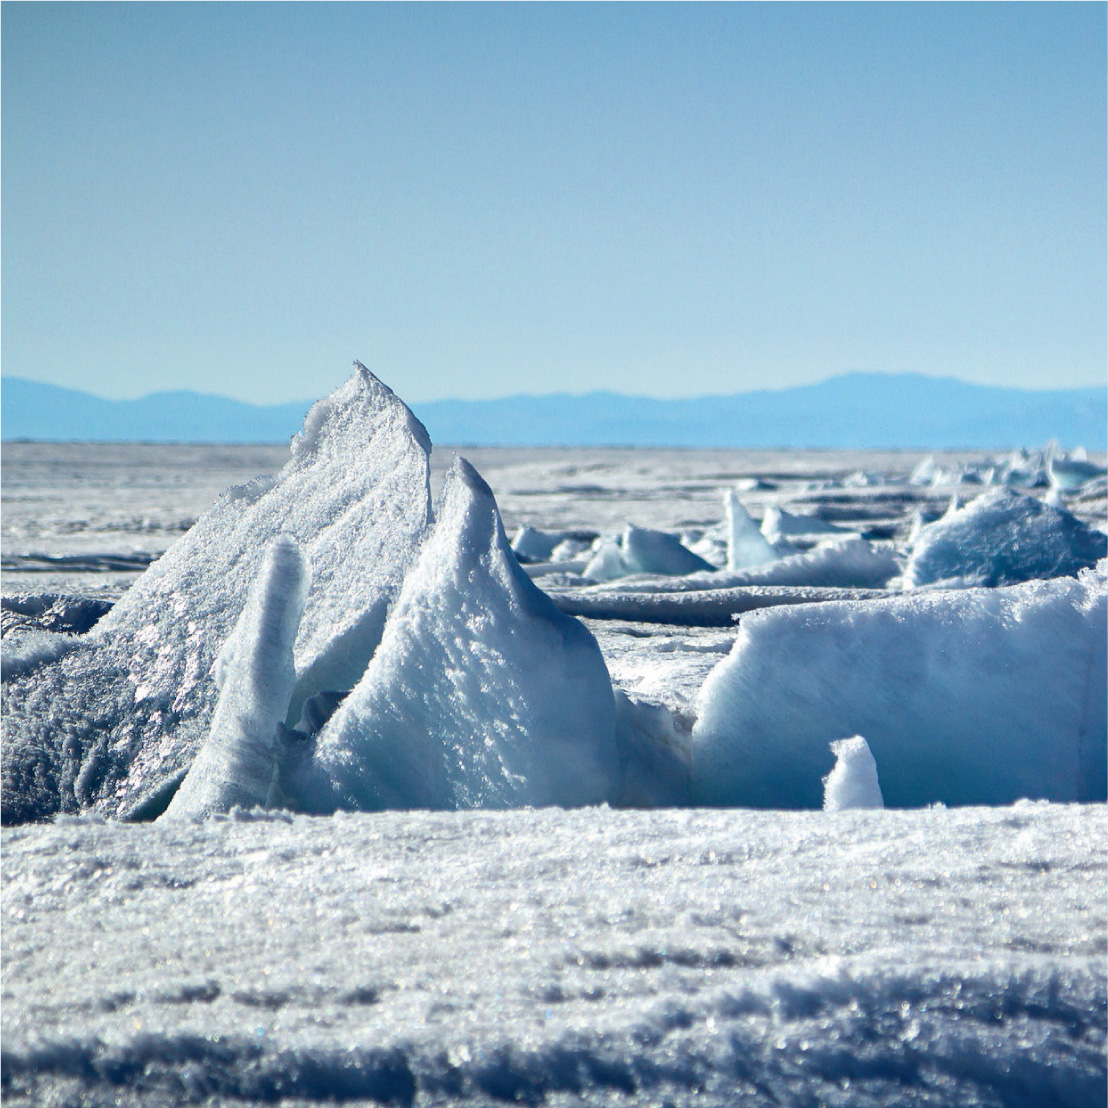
(853,782)
(481,694)
(115,725)
(746,545)
(649,551)
(1002,538)
(236,764)
(978,696)
(779,524)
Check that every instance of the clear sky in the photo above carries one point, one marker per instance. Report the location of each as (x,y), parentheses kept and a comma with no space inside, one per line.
(478,200)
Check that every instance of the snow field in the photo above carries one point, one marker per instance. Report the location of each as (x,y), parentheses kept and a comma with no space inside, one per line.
(590,956)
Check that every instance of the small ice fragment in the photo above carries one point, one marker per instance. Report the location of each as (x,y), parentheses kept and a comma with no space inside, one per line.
(853,781)
(746,545)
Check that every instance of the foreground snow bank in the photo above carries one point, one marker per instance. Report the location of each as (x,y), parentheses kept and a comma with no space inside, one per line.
(978,696)
(589,957)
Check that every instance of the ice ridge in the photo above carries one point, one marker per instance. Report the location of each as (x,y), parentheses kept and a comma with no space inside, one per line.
(481,694)
(116,725)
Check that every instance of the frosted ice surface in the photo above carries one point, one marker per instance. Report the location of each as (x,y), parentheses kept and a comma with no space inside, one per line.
(700,959)
(481,694)
(606,563)
(746,545)
(1002,538)
(535,545)
(648,551)
(853,783)
(115,726)
(979,696)
(237,762)
(780,524)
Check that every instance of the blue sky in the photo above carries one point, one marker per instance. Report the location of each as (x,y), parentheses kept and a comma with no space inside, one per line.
(478,200)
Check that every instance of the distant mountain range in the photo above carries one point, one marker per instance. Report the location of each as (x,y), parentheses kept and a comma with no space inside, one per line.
(854,410)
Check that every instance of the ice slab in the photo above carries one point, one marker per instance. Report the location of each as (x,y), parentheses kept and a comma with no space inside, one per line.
(481,694)
(853,783)
(695,607)
(778,524)
(978,696)
(115,725)
(1001,538)
(236,765)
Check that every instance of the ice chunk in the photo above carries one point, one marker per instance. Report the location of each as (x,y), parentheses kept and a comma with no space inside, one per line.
(116,725)
(853,782)
(1069,473)
(779,524)
(235,766)
(653,755)
(648,551)
(533,545)
(839,563)
(1002,538)
(481,694)
(606,563)
(746,545)
(974,697)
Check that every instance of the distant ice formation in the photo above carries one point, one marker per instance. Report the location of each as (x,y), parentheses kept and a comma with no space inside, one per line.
(746,545)
(853,782)
(981,696)
(482,694)
(643,550)
(1002,538)
(115,725)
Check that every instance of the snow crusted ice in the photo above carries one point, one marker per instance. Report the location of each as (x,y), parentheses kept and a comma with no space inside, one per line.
(593,958)
(1001,538)
(482,694)
(115,725)
(853,783)
(979,696)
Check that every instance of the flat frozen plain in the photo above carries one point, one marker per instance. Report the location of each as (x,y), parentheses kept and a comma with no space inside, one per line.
(564,957)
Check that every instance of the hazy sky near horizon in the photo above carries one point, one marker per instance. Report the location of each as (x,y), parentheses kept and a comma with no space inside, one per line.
(478,200)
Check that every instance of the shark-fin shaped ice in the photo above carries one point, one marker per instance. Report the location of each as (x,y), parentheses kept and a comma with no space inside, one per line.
(481,694)
(255,674)
(746,545)
(116,725)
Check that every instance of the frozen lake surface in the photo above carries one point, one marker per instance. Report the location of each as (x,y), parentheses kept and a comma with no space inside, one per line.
(596,956)
(680,957)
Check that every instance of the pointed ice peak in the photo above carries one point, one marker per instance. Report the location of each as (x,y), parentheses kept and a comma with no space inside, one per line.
(746,545)
(362,401)
(481,694)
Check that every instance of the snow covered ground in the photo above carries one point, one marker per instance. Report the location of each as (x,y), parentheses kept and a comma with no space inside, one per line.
(681,956)
(751,609)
